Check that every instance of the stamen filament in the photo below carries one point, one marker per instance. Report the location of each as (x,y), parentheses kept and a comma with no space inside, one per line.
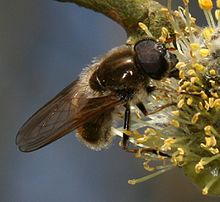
(145,178)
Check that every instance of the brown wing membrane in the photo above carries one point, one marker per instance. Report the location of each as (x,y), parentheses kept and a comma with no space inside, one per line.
(59,117)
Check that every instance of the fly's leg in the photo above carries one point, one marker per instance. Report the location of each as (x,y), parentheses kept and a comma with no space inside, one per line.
(142,108)
(162,107)
(127,117)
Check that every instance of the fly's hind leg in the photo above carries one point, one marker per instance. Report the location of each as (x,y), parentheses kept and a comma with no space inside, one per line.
(127,116)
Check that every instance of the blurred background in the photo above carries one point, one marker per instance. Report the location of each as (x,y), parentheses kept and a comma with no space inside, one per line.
(43,47)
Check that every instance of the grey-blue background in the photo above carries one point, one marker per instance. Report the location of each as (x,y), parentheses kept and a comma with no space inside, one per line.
(43,47)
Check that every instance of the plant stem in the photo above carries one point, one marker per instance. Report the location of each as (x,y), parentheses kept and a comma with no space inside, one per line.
(128,13)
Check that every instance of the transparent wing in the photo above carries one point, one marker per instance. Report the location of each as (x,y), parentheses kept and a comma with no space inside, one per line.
(59,117)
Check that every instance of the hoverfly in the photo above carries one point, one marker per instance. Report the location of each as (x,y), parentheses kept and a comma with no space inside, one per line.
(119,78)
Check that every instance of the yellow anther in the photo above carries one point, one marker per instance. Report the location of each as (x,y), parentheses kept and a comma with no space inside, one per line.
(176,13)
(211,102)
(199,167)
(148,167)
(164,31)
(198,67)
(175,123)
(163,9)
(210,141)
(206,105)
(179,89)
(181,151)
(176,113)
(143,139)
(174,161)
(178,157)
(192,54)
(214,150)
(203,95)
(136,134)
(215,95)
(127,132)
(191,72)
(201,106)
(205,4)
(180,65)
(150,131)
(212,72)
(188,29)
(194,80)
(205,191)
(194,46)
(145,29)
(162,39)
(170,141)
(207,33)
(211,131)
(195,118)
(178,160)
(216,103)
(185,84)
(167,144)
(189,101)
(143,26)
(212,82)
(186,2)
(180,103)
(208,130)
(204,52)
(181,74)
(193,21)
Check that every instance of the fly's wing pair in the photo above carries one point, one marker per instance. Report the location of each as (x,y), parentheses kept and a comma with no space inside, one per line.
(59,117)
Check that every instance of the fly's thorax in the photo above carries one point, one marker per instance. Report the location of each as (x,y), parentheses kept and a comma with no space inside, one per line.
(84,90)
(117,72)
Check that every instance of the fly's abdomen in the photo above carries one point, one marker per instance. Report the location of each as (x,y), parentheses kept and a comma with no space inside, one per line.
(96,134)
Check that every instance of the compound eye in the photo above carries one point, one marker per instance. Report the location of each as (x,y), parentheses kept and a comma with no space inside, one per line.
(161,48)
(150,56)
